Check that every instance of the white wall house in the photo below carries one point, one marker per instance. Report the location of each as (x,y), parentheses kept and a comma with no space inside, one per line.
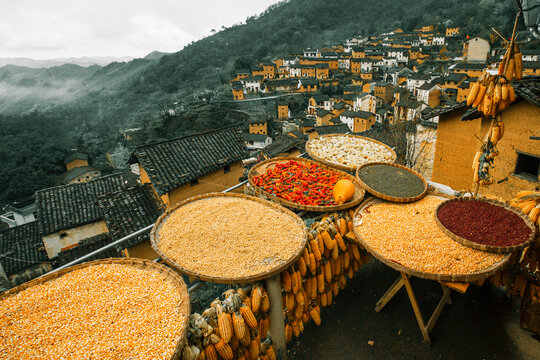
(439,40)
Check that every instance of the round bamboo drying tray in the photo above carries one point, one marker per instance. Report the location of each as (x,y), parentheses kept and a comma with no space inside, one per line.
(154,239)
(263,166)
(388,197)
(470,277)
(341,166)
(490,248)
(138,263)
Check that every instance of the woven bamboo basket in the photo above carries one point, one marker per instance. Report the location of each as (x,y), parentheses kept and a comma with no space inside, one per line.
(138,263)
(341,166)
(263,166)
(154,239)
(470,277)
(483,247)
(389,197)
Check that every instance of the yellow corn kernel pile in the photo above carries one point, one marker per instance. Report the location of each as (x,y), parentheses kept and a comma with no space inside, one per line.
(409,235)
(108,311)
(230,237)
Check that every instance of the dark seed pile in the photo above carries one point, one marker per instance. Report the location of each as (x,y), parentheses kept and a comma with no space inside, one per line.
(391,181)
(484,223)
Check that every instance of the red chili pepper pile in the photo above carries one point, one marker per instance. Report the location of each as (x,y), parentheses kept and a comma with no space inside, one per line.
(299,182)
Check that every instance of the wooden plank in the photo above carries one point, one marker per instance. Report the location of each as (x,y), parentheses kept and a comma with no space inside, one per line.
(389,294)
(458,286)
(416,308)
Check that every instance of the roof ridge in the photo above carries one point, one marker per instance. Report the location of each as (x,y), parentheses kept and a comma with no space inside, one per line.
(101,178)
(188,136)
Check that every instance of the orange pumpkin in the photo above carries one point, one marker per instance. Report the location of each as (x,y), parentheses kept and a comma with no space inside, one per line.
(343,191)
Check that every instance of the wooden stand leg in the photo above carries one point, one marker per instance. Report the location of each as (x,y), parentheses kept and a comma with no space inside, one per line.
(404,280)
(389,294)
(416,308)
(449,300)
(277,322)
(438,309)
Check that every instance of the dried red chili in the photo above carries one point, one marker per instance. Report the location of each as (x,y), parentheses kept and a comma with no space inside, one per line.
(484,223)
(302,183)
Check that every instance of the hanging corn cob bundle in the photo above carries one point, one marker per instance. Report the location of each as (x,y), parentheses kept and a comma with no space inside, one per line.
(490,95)
(231,328)
(320,273)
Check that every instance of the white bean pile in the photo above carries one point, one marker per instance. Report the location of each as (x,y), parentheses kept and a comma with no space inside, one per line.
(349,150)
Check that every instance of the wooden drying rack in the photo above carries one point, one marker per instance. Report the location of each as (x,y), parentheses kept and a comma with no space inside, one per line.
(458,283)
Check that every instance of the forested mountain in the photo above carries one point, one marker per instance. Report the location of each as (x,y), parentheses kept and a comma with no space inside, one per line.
(46,113)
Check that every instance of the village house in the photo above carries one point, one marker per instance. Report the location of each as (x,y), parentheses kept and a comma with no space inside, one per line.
(416,80)
(241,74)
(439,39)
(344,62)
(401,54)
(353,89)
(269,70)
(308,71)
(295,70)
(281,85)
(429,94)
(237,90)
(366,102)
(469,69)
(22,255)
(304,125)
(19,213)
(518,165)
(384,91)
(78,169)
(192,165)
(339,107)
(463,90)
(128,211)
(358,52)
(357,121)
(258,71)
(406,110)
(322,71)
(427,28)
(452,31)
(68,214)
(323,117)
(308,85)
(252,84)
(529,54)
(283,110)
(531,68)
(476,49)
(283,146)
(312,53)
(317,102)
(258,125)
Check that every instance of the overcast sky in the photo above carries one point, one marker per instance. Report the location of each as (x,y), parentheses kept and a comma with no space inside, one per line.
(46,29)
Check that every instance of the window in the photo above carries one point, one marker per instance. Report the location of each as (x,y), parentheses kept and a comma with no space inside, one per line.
(194,182)
(527,166)
(226,169)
